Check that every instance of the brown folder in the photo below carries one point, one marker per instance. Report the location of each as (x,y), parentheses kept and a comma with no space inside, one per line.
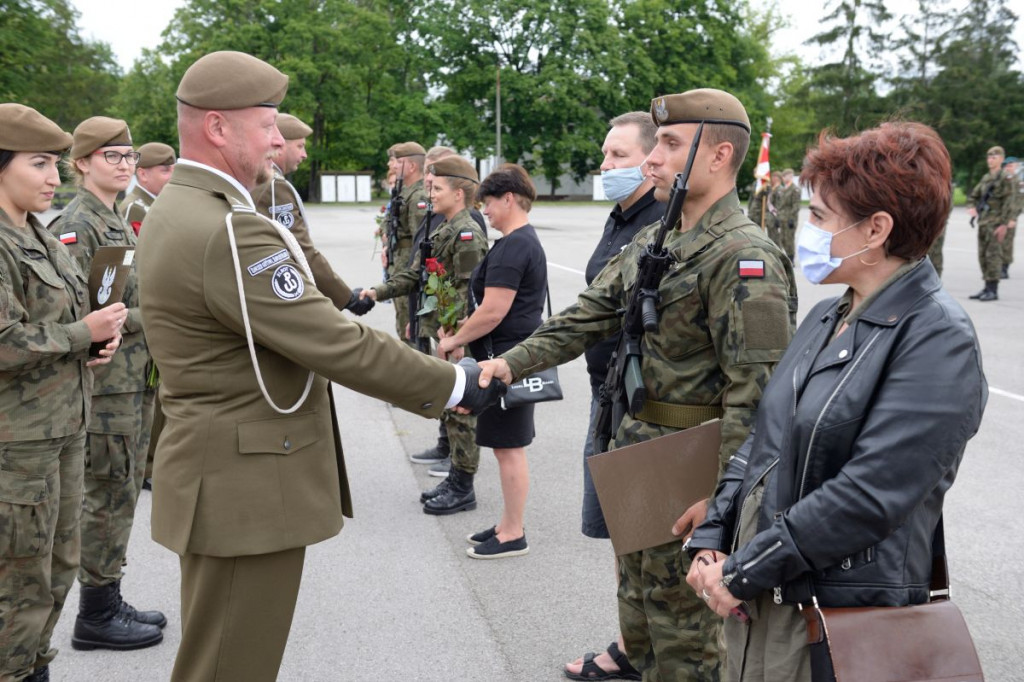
(108,277)
(644,488)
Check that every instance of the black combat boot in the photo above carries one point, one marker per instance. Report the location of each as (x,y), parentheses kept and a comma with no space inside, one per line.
(991,292)
(1005,274)
(39,675)
(436,490)
(101,624)
(149,617)
(458,497)
(983,292)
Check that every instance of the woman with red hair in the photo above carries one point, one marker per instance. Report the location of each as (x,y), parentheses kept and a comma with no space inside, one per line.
(838,491)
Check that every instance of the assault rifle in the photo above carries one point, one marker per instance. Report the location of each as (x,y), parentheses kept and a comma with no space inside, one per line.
(982,207)
(623,390)
(426,250)
(394,219)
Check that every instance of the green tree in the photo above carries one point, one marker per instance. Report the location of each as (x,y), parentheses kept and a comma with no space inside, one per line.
(145,99)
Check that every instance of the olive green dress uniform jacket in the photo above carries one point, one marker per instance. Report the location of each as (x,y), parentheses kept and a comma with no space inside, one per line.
(135,206)
(719,334)
(94,225)
(278,200)
(45,387)
(237,477)
(459,244)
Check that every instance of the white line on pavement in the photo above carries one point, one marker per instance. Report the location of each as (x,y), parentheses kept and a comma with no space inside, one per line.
(563,267)
(1006,394)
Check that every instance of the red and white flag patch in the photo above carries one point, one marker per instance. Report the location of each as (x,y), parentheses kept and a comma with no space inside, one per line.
(466,236)
(69,238)
(752,268)
(422,205)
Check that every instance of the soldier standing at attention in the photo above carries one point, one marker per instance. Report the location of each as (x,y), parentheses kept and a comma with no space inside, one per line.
(992,202)
(1011,167)
(457,246)
(156,161)
(45,388)
(406,160)
(727,310)
(250,469)
(117,436)
(787,206)
(277,199)
(772,213)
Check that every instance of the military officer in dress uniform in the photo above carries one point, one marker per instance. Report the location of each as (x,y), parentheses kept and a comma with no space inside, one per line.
(156,161)
(45,388)
(277,199)
(727,310)
(250,469)
(117,436)
(406,160)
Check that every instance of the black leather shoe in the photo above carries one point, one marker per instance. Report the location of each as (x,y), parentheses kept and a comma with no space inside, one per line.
(458,497)
(987,295)
(147,484)
(439,489)
(101,623)
(150,617)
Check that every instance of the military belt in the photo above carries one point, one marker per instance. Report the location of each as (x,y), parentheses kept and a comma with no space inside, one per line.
(678,416)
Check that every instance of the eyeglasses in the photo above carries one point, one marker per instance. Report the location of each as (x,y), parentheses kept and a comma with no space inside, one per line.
(114,158)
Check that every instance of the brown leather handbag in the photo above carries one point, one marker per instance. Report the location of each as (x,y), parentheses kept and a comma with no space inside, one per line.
(922,643)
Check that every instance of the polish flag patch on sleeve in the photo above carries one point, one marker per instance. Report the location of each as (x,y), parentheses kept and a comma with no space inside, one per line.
(69,238)
(466,236)
(422,205)
(752,268)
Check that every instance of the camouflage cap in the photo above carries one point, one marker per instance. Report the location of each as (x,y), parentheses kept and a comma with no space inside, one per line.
(707,105)
(404,149)
(156,154)
(995,151)
(23,129)
(231,80)
(292,128)
(97,132)
(454,167)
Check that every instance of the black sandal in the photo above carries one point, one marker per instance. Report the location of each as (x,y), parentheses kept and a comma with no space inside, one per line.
(592,671)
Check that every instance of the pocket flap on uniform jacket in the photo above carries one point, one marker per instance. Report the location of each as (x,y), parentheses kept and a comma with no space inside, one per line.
(39,264)
(278,435)
(18,488)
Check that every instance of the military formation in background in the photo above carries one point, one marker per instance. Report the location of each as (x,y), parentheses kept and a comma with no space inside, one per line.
(995,203)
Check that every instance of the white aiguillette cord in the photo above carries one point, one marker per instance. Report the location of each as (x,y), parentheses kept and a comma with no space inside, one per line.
(296,252)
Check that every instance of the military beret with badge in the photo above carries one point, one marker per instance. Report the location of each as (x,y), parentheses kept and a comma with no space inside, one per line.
(705,105)
(292,128)
(454,167)
(156,154)
(23,129)
(404,149)
(229,80)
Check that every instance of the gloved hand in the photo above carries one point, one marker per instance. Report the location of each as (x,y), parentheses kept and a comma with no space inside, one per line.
(474,398)
(359,306)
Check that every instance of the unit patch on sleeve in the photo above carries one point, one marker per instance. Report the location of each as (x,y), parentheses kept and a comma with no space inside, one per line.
(287,283)
(466,236)
(268,262)
(752,268)
(283,214)
(69,238)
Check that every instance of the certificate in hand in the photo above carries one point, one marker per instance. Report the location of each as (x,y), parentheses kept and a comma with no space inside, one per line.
(645,487)
(108,277)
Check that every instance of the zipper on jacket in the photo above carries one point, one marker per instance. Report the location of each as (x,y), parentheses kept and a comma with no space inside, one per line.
(828,403)
(778,595)
(746,498)
(756,560)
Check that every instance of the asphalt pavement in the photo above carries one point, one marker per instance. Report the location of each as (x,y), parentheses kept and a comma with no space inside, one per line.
(394,596)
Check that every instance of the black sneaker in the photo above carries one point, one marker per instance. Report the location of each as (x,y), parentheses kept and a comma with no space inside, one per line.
(147,484)
(482,536)
(429,456)
(441,468)
(493,549)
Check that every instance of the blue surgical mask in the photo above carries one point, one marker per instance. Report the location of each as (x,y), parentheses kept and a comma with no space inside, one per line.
(620,183)
(814,249)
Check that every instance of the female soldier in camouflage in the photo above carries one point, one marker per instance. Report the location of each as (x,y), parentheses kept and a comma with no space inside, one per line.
(44,395)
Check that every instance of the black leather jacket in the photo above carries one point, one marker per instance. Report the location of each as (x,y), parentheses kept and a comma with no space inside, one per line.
(856,442)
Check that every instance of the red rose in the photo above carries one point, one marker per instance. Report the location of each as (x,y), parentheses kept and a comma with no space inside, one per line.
(434,266)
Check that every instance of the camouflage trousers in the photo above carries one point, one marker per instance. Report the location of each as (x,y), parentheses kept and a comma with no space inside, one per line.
(464,451)
(401,305)
(935,252)
(1008,247)
(787,233)
(40,508)
(117,444)
(670,634)
(990,253)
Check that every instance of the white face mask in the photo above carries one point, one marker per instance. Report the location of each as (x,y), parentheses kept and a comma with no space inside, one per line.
(620,183)
(814,249)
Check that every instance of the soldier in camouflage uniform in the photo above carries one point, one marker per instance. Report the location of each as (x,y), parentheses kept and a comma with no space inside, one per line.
(992,202)
(406,161)
(117,435)
(45,387)
(772,223)
(458,245)
(1011,167)
(787,205)
(726,314)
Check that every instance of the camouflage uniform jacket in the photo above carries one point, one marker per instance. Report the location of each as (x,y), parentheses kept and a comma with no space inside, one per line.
(458,244)
(411,214)
(277,199)
(1001,199)
(787,203)
(45,387)
(135,207)
(720,332)
(86,225)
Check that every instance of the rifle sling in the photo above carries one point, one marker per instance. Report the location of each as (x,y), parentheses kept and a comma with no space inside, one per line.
(678,416)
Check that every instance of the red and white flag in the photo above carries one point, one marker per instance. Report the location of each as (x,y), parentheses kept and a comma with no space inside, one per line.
(762,171)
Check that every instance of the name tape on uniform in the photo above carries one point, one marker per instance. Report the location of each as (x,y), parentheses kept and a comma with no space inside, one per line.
(268,262)
(752,268)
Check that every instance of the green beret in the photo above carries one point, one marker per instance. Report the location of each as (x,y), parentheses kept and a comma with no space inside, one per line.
(97,132)
(23,129)
(292,128)
(156,154)
(407,149)
(995,151)
(454,167)
(707,105)
(231,80)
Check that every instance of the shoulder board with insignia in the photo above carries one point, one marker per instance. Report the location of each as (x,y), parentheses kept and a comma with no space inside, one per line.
(69,238)
(466,236)
(751,268)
